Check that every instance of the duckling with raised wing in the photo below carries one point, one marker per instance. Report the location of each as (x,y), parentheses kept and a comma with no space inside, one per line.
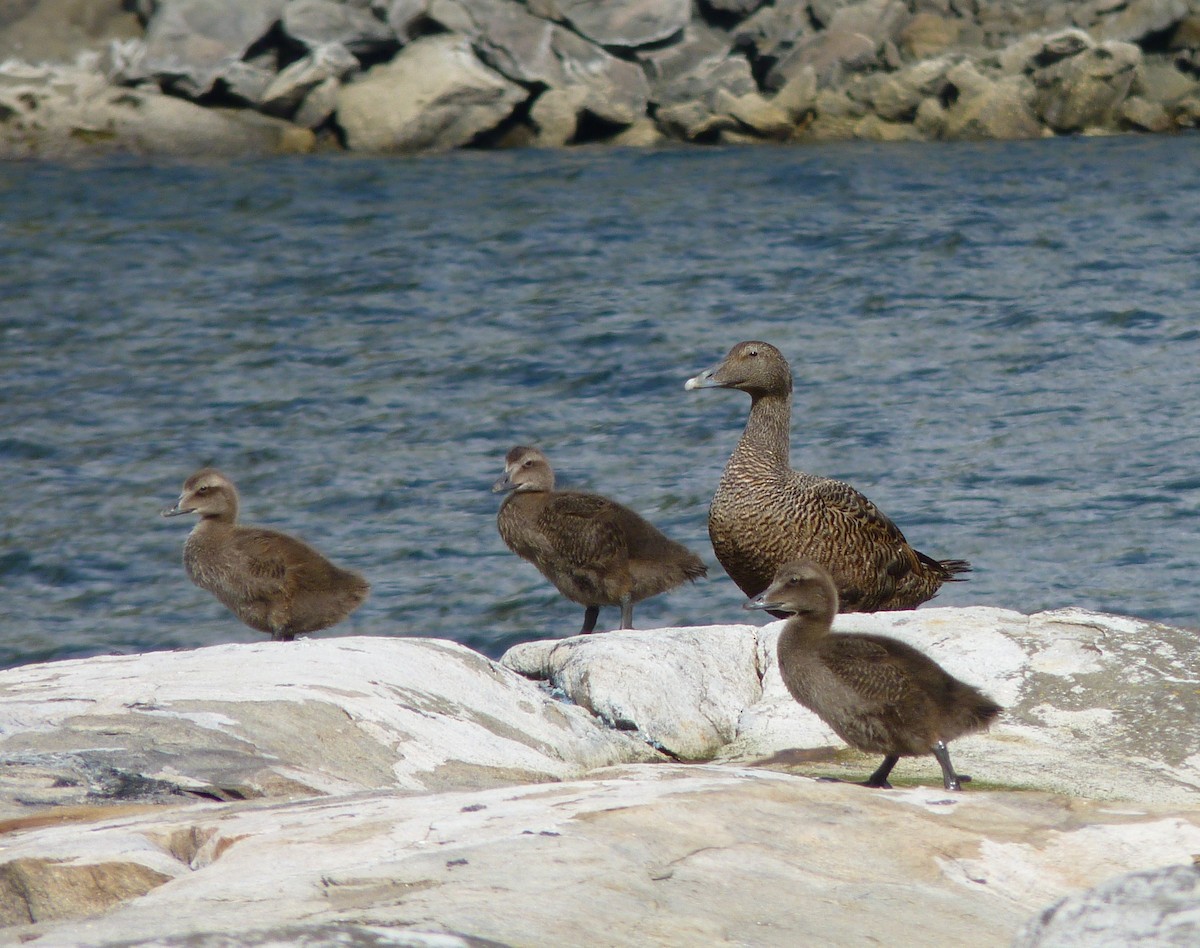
(765,514)
(594,550)
(878,694)
(273,582)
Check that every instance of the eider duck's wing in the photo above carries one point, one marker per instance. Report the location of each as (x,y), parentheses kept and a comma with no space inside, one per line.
(584,528)
(875,669)
(865,517)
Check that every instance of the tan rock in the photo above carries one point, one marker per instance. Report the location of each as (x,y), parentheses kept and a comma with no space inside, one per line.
(928,35)
(434,95)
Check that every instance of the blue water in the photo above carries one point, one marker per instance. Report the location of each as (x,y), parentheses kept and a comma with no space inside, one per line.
(998,343)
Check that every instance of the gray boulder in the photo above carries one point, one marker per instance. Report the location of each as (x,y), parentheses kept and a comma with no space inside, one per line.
(290,90)
(1129,20)
(57,31)
(190,44)
(898,95)
(620,23)
(976,107)
(1152,907)
(403,16)
(697,66)
(929,34)
(1084,90)
(831,54)
(530,50)
(433,96)
(67,114)
(773,31)
(315,23)
(880,20)
(734,7)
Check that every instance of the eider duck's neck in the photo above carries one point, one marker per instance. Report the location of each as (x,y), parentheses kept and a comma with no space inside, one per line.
(802,632)
(767,435)
(223,518)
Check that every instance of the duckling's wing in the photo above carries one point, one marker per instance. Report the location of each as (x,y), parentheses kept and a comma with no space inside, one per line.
(878,670)
(275,560)
(583,528)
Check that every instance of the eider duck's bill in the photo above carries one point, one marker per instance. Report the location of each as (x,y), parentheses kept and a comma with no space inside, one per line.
(505,483)
(177,510)
(705,379)
(763,602)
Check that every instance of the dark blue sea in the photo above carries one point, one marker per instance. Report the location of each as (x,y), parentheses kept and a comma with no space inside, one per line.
(998,343)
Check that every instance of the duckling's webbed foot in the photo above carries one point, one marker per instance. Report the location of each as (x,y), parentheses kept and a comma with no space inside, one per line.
(879,778)
(590,615)
(626,614)
(950,780)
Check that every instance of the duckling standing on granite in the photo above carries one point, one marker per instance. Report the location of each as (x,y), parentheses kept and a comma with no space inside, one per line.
(594,550)
(880,695)
(765,514)
(272,582)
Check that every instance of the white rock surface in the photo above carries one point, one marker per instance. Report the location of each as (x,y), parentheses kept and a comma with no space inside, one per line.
(1095,705)
(402,795)
(643,854)
(327,716)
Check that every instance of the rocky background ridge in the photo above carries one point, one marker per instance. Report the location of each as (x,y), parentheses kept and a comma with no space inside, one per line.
(405,76)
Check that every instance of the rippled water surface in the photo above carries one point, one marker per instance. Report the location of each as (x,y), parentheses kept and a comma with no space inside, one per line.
(997,343)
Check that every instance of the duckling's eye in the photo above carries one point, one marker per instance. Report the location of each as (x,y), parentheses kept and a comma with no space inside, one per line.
(752,352)
(202,489)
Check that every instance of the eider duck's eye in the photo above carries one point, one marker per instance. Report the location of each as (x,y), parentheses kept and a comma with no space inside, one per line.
(202,489)
(528,462)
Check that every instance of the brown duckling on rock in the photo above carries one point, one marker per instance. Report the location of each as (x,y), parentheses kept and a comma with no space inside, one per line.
(765,514)
(878,694)
(271,581)
(595,551)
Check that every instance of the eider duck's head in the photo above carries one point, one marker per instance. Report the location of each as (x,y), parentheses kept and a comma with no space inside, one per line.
(525,469)
(801,587)
(208,493)
(755,367)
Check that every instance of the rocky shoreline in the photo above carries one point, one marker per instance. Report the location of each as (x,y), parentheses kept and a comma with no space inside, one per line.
(230,77)
(638,787)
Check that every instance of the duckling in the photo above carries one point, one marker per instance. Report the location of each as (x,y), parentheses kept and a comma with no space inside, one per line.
(273,582)
(595,551)
(878,694)
(764,513)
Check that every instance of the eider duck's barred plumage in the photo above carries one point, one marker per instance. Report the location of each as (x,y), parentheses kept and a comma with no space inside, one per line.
(880,695)
(595,551)
(273,582)
(764,513)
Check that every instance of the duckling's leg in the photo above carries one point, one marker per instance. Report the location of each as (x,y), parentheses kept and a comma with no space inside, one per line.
(590,615)
(879,778)
(950,780)
(626,613)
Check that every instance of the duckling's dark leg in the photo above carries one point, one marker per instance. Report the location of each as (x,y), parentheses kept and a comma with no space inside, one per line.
(590,615)
(626,614)
(879,778)
(950,780)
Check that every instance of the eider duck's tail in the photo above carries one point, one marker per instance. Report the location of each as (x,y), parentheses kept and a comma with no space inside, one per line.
(947,570)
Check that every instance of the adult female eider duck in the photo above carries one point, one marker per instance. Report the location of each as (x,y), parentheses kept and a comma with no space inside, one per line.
(880,695)
(765,514)
(595,551)
(271,581)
